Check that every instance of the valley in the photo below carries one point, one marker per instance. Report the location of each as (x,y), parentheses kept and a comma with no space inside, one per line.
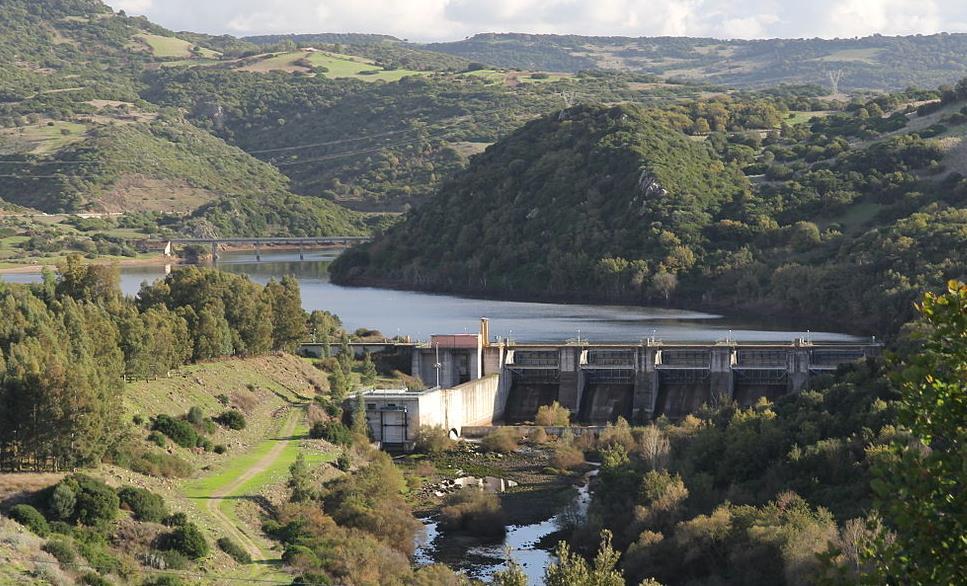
(508,308)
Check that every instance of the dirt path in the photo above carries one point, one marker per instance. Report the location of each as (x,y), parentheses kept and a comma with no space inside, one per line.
(218,496)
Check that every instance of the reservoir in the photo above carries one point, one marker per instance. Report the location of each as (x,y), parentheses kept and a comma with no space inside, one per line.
(420,314)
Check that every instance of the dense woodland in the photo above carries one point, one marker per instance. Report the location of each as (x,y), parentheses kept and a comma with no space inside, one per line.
(69,344)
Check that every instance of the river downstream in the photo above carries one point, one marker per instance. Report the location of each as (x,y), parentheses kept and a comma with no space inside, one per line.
(420,314)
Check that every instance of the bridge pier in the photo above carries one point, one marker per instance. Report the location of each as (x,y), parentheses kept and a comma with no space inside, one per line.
(646,385)
(214,251)
(721,383)
(258,253)
(302,254)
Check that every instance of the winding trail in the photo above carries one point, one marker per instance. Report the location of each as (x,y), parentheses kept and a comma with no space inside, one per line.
(230,490)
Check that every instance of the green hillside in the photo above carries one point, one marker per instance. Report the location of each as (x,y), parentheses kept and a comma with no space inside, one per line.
(846,218)
(545,209)
(378,145)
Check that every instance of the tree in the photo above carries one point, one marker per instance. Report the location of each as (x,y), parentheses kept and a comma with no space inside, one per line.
(664,283)
(300,483)
(289,320)
(573,570)
(87,282)
(360,423)
(920,489)
(512,575)
(369,374)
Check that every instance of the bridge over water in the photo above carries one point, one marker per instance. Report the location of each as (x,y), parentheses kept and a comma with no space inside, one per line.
(302,242)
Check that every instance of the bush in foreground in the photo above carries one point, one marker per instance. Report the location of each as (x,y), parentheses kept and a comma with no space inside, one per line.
(234,550)
(82,499)
(433,439)
(474,511)
(554,414)
(232,419)
(333,432)
(188,540)
(567,457)
(502,440)
(30,518)
(180,431)
(143,504)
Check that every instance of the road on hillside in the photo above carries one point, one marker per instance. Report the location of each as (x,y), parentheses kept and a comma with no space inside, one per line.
(218,496)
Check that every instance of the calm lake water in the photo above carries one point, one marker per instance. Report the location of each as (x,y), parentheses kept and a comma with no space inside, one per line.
(422,314)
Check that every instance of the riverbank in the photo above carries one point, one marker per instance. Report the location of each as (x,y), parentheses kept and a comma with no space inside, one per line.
(536,501)
(151,259)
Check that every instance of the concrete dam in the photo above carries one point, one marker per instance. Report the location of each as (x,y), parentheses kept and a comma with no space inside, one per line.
(600,382)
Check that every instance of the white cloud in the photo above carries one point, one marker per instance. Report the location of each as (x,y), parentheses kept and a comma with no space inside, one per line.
(427,20)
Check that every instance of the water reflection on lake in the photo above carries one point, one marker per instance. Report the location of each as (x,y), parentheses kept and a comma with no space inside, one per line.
(421,314)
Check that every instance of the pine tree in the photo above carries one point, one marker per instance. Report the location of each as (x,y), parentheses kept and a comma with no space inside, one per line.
(360,423)
(369,374)
(300,483)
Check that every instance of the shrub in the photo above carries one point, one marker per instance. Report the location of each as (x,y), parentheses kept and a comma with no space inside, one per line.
(538,436)
(92,579)
(176,520)
(232,419)
(195,416)
(188,540)
(180,432)
(343,462)
(219,449)
(163,581)
(617,434)
(160,465)
(30,518)
(205,443)
(94,549)
(234,550)
(333,432)
(62,501)
(222,398)
(138,420)
(473,511)
(62,551)
(502,440)
(157,438)
(143,504)
(567,457)
(433,439)
(95,503)
(554,414)
(175,560)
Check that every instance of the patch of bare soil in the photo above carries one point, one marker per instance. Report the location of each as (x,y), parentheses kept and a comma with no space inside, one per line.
(136,192)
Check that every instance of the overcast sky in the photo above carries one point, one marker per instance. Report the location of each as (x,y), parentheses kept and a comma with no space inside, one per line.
(440,20)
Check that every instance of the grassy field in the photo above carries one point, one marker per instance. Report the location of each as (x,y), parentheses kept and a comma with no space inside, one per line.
(800,117)
(173,47)
(339,66)
(852,55)
(41,139)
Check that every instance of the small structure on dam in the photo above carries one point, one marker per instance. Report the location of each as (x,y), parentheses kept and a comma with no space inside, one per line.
(477,381)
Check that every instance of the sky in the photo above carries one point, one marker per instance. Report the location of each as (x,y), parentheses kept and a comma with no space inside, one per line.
(444,20)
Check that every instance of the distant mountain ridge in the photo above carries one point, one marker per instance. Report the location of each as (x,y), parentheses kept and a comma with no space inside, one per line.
(870,63)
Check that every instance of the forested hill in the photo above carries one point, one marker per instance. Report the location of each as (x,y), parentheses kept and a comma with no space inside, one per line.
(538,213)
(875,62)
(847,218)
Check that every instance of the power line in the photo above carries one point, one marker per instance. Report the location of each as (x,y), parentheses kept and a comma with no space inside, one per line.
(440,127)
